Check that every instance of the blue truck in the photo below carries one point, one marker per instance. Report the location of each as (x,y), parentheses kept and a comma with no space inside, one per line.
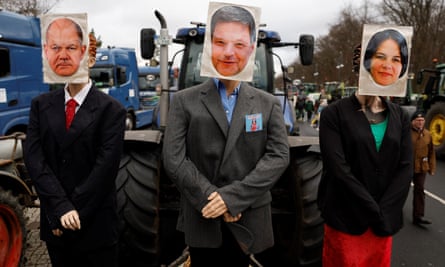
(21,76)
(116,73)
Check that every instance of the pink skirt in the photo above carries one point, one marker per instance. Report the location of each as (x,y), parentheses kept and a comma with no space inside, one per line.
(345,250)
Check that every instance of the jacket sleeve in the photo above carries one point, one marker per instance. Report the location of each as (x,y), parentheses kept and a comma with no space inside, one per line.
(89,195)
(50,191)
(192,184)
(431,156)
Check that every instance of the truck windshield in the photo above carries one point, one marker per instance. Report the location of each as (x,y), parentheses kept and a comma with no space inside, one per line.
(148,82)
(193,67)
(102,76)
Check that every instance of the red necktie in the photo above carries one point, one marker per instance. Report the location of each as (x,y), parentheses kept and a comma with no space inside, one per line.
(70,111)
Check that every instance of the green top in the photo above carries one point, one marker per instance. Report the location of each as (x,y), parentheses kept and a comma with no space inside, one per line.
(378,130)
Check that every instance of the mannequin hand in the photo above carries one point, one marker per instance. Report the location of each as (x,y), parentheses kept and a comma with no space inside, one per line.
(229,218)
(70,220)
(57,232)
(215,208)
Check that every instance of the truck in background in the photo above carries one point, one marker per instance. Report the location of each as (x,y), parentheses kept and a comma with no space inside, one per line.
(116,73)
(21,76)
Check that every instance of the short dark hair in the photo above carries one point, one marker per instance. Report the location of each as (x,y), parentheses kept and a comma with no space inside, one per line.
(384,35)
(234,14)
(75,24)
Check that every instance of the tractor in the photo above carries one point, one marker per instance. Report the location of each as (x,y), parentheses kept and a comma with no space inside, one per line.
(16,193)
(433,104)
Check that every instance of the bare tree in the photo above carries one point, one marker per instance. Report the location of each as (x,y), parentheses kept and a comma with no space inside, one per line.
(28,7)
(333,54)
(428,22)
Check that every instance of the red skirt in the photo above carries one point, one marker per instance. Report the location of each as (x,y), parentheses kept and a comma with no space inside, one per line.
(345,250)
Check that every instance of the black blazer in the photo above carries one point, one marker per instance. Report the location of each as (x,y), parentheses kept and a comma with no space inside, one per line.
(76,169)
(360,186)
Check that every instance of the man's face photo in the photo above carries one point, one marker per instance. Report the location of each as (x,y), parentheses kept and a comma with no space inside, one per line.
(230,42)
(231,47)
(63,47)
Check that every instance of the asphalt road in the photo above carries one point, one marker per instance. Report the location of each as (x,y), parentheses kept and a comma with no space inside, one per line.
(416,246)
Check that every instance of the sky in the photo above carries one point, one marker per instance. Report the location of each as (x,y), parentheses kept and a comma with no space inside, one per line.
(118,22)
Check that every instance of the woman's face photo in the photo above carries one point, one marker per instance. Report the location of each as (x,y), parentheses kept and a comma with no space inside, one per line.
(386,63)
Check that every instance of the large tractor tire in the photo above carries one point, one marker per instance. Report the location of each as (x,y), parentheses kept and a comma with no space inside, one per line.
(310,238)
(298,226)
(12,230)
(138,205)
(435,123)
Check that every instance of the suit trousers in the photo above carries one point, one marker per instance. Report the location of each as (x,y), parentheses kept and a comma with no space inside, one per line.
(67,256)
(419,195)
(229,254)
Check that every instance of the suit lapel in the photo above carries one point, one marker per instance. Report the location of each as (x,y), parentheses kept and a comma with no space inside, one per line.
(83,118)
(55,115)
(212,101)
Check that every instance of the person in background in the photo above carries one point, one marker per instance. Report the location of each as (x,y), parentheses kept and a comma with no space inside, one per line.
(72,153)
(424,162)
(366,149)
(299,106)
(386,56)
(309,108)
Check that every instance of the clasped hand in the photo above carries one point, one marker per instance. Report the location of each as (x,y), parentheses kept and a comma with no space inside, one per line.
(69,220)
(217,207)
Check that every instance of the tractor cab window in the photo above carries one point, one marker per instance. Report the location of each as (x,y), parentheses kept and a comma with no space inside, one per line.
(442,83)
(259,79)
(192,67)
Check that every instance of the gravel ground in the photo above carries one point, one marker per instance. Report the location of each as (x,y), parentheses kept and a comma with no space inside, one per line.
(35,254)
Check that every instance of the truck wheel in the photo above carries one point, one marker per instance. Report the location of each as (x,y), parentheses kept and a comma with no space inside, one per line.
(138,201)
(129,122)
(12,230)
(435,123)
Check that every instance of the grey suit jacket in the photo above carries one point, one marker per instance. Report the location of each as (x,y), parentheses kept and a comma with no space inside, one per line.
(203,154)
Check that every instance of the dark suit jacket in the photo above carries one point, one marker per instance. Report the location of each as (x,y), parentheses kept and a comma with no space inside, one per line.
(202,154)
(360,186)
(76,169)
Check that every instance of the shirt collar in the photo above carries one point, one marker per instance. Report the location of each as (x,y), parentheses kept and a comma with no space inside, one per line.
(219,85)
(79,97)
